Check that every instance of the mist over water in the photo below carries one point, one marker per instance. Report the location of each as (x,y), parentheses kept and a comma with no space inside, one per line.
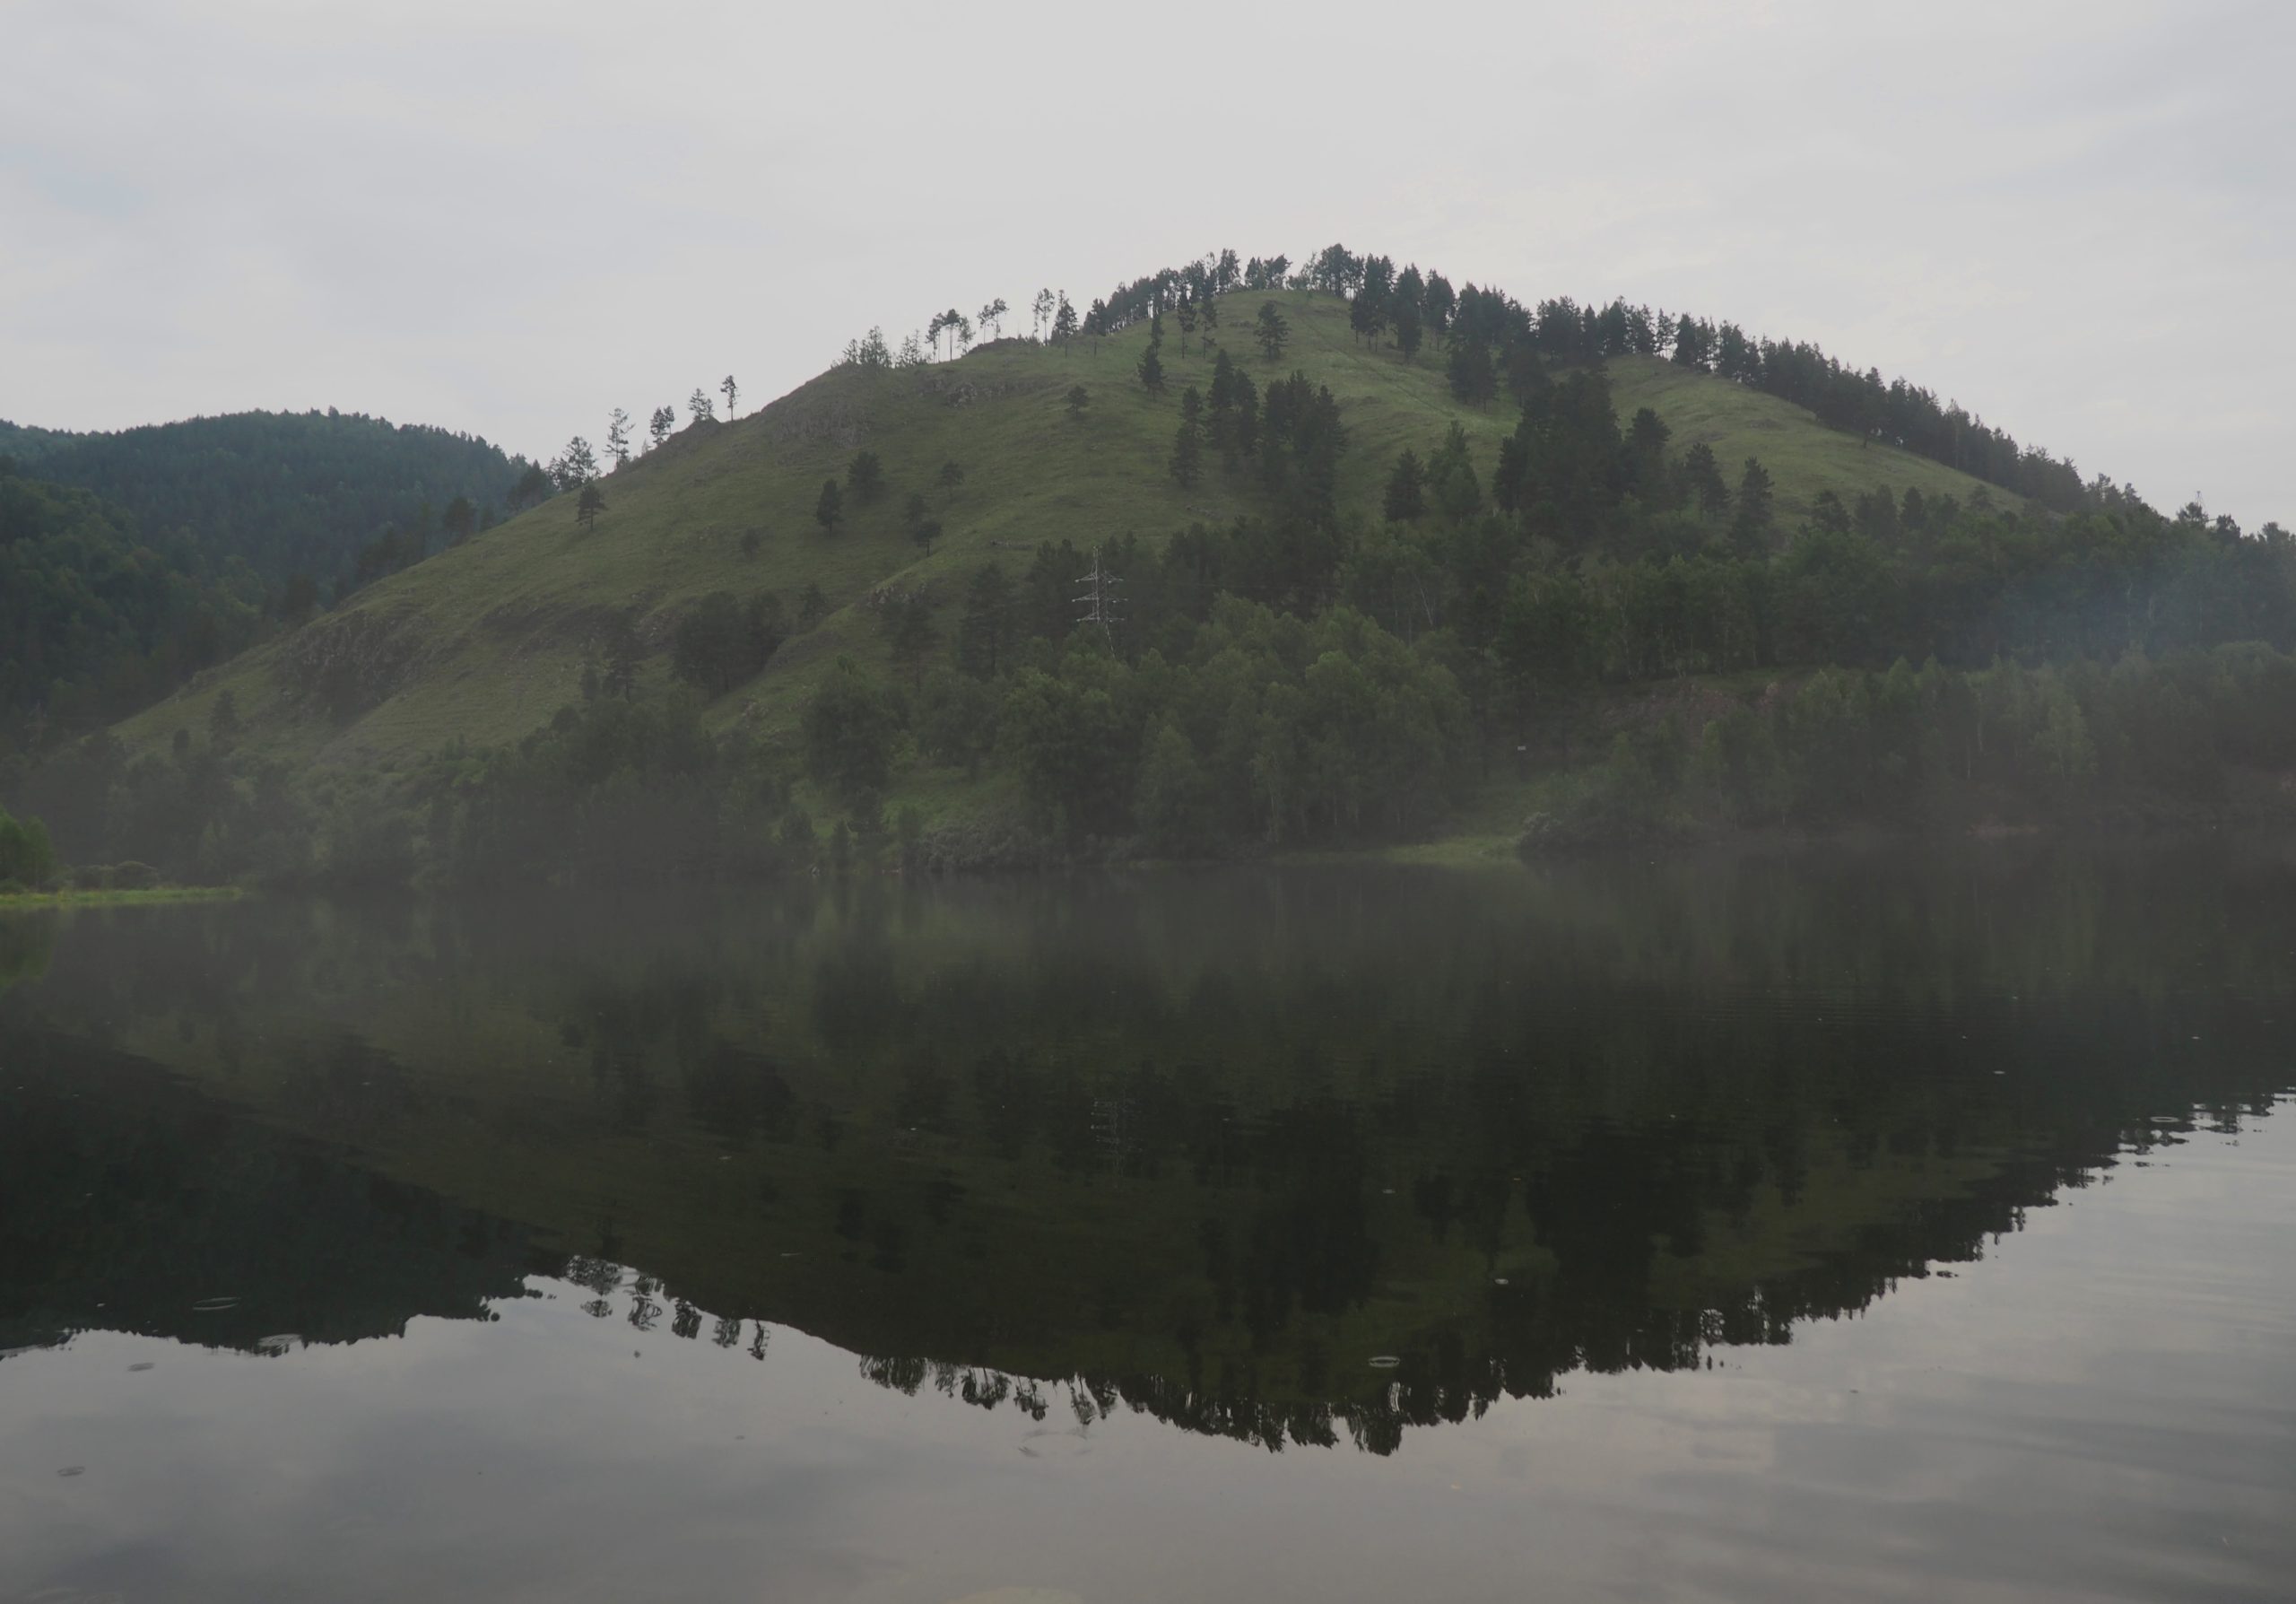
(1830,1226)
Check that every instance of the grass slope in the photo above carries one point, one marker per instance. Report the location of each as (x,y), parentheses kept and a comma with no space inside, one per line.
(485,642)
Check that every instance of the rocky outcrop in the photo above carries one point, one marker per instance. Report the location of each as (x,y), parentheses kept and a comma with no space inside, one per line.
(349,662)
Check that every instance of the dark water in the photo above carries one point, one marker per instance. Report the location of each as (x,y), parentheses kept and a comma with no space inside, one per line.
(1831,1227)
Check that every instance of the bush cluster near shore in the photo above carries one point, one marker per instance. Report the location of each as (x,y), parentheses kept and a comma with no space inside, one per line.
(2199,737)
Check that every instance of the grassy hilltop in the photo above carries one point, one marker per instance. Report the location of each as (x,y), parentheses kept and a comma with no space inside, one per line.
(486,641)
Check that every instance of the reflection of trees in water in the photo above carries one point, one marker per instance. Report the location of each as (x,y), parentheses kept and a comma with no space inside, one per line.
(1214,1144)
(130,1203)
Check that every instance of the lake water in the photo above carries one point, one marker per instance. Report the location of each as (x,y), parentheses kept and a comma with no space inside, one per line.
(1829,1226)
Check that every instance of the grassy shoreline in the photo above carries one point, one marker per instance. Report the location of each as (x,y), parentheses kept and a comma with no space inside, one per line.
(93,898)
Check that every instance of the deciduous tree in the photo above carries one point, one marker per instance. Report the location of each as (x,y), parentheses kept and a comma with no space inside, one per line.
(848,728)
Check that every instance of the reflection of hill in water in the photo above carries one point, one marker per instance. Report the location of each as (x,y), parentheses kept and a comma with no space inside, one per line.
(1212,1144)
(128,1203)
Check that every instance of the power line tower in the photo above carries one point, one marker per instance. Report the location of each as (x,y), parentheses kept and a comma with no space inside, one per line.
(1100,600)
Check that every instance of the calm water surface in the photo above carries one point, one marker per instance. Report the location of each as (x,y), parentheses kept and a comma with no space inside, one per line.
(1826,1227)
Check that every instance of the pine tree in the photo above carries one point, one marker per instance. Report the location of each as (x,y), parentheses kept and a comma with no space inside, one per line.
(1750,528)
(1188,453)
(592,501)
(733,393)
(1152,369)
(864,476)
(1451,482)
(1473,380)
(1703,474)
(829,512)
(1270,329)
(659,426)
(1077,402)
(575,466)
(699,403)
(1403,501)
(1409,330)
(618,438)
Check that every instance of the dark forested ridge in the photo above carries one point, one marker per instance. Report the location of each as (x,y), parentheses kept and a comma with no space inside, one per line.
(130,560)
(289,494)
(93,622)
(25,443)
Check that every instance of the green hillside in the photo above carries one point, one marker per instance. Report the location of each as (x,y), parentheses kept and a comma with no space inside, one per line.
(485,642)
(1559,579)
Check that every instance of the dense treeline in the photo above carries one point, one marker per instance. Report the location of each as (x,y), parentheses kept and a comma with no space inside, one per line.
(2142,741)
(130,560)
(25,443)
(93,623)
(291,493)
(201,812)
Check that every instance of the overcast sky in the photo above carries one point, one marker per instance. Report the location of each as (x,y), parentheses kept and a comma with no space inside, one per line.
(2077,219)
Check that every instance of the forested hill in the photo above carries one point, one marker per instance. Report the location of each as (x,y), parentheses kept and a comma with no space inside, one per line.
(130,560)
(94,623)
(27,444)
(309,494)
(1377,556)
